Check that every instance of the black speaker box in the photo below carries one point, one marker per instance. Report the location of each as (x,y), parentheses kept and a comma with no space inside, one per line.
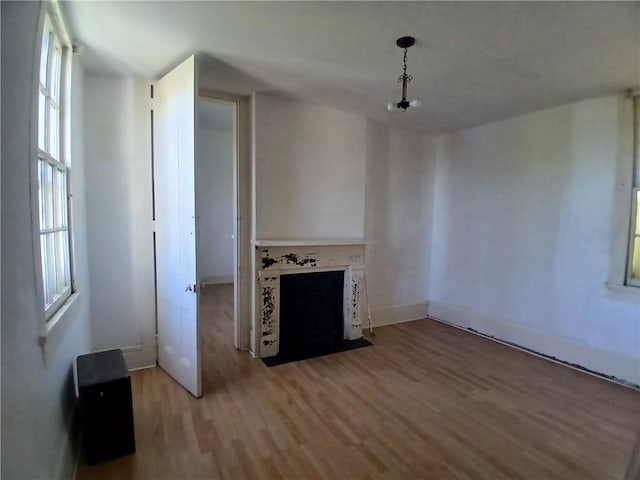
(106,408)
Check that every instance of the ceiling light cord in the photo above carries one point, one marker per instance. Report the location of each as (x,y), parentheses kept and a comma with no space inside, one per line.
(404,79)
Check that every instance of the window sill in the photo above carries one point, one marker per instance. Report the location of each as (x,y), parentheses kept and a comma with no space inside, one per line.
(55,327)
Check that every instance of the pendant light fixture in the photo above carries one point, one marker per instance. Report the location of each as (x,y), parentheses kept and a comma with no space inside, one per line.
(404,43)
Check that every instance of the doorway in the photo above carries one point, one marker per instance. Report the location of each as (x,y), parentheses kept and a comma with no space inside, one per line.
(223,205)
(216,162)
(181,265)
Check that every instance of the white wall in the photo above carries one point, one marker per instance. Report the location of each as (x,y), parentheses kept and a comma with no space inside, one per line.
(526,233)
(310,166)
(399,182)
(323,173)
(119,209)
(37,390)
(215,204)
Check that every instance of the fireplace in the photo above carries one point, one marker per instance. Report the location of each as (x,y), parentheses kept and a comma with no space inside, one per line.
(340,265)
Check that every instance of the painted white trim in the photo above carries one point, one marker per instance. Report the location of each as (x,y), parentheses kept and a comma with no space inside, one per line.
(57,315)
(216,279)
(623,367)
(619,287)
(337,268)
(136,357)
(139,356)
(635,191)
(52,332)
(397,314)
(303,243)
(58,319)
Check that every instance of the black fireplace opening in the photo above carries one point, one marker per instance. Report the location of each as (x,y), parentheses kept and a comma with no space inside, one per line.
(311,313)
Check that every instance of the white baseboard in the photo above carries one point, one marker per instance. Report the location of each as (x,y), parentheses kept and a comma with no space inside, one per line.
(140,356)
(136,357)
(216,279)
(396,314)
(624,368)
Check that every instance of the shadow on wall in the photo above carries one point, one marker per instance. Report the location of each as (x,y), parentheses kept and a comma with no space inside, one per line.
(499,194)
(377,214)
(216,74)
(398,210)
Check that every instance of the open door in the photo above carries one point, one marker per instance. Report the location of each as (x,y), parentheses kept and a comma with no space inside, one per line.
(174,132)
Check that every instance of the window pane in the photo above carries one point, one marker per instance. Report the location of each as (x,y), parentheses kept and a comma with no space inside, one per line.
(51,265)
(66,279)
(40,192)
(44,55)
(56,59)
(48,274)
(43,260)
(49,199)
(637,213)
(62,194)
(47,205)
(59,279)
(635,263)
(42,126)
(63,265)
(57,203)
(54,131)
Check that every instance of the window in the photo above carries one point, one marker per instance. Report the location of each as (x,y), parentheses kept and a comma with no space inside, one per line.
(52,167)
(633,266)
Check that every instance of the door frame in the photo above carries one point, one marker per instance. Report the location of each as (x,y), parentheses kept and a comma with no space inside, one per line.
(243,213)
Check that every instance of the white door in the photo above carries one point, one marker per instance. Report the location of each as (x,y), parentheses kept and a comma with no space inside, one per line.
(175,126)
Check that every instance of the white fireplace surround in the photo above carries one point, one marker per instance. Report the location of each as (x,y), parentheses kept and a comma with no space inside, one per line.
(274,258)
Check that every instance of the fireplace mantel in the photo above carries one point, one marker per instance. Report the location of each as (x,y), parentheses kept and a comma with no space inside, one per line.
(303,243)
(274,258)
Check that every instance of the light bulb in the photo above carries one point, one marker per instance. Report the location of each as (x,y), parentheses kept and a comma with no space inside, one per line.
(390,106)
(415,103)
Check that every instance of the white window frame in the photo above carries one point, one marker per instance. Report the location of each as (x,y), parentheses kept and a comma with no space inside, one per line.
(635,191)
(54,310)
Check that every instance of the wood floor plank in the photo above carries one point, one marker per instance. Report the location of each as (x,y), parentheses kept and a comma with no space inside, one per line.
(426,401)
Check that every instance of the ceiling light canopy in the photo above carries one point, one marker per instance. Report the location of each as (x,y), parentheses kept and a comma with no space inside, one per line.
(404,43)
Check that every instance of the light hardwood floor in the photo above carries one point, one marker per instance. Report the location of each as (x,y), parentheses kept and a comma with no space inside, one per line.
(427,401)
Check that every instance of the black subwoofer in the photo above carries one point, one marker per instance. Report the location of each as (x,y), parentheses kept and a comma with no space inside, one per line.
(106,408)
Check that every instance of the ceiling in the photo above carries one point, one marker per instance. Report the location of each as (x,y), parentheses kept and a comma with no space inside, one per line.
(473,62)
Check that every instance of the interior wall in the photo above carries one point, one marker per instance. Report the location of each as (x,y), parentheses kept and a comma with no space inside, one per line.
(323,173)
(526,233)
(38,397)
(309,169)
(399,184)
(119,210)
(215,199)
